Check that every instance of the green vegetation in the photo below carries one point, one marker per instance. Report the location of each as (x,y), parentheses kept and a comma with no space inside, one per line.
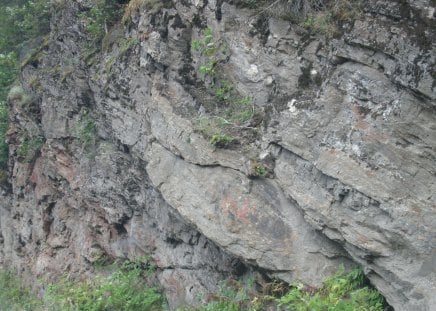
(341,292)
(128,286)
(29,147)
(232,113)
(14,296)
(86,131)
(4,150)
(20,21)
(103,15)
(207,48)
(337,12)
(319,16)
(258,169)
(221,140)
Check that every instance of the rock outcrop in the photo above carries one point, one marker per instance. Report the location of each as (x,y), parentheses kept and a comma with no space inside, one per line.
(346,144)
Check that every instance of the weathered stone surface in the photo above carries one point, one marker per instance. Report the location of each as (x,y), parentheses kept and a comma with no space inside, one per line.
(348,135)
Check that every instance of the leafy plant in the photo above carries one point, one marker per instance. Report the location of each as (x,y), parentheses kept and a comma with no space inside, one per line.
(345,292)
(221,140)
(125,289)
(102,15)
(21,21)
(259,170)
(29,147)
(14,295)
(235,296)
(86,131)
(223,91)
(208,48)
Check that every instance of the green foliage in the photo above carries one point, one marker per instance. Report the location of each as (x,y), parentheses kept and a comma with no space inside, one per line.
(213,129)
(341,292)
(327,20)
(14,296)
(241,110)
(208,48)
(236,296)
(221,140)
(152,7)
(233,113)
(259,170)
(223,91)
(4,149)
(125,289)
(86,131)
(8,72)
(102,15)
(127,44)
(208,68)
(29,147)
(21,21)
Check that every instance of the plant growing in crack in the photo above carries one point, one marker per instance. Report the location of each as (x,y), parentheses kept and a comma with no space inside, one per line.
(29,147)
(86,132)
(233,113)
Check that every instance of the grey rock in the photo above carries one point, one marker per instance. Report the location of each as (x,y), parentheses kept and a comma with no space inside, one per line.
(348,136)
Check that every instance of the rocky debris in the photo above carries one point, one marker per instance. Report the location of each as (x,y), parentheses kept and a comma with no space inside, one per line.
(347,140)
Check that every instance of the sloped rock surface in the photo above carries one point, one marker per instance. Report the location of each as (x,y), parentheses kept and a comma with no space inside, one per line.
(348,137)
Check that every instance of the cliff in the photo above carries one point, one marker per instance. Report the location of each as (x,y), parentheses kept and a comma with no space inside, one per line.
(221,139)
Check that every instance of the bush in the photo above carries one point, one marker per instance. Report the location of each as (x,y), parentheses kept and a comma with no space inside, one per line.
(126,289)
(345,292)
(221,140)
(29,147)
(20,20)
(23,20)
(103,15)
(86,131)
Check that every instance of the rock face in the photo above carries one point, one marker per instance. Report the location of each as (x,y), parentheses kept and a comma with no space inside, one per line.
(347,139)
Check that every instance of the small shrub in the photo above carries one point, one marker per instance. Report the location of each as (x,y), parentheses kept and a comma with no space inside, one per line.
(29,147)
(221,140)
(125,289)
(86,131)
(236,296)
(345,292)
(259,170)
(102,16)
(223,91)
(127,44)
(14,296)
(208,48)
